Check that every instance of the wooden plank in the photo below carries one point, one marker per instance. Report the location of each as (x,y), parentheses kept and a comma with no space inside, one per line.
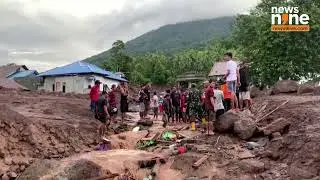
(273,111)
(155,136)
(200,161)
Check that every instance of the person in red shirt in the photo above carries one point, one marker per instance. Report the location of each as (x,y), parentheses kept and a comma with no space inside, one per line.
(209,106)
(112,98)
(183,104)
(94,95)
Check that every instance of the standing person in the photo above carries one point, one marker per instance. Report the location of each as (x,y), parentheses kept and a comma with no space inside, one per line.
(141,99)
(161,104)
(170,113)
(226,95)
(183,105)
(232,79)
(124,106)
(188,104)
(94,95)
(167,110)
(146,91)
(194,103)
(102,114)
(209,106)
(175,100)
(155,105)
(112,99)
(244,93)
(219,98)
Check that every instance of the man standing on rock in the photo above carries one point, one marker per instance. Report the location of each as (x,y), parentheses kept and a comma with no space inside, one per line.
(232,78)
(209,103)
(102,113)
(244,93)
(94,95)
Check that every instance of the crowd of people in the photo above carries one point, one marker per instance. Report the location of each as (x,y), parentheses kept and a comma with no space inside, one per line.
(105,104)
(180,105)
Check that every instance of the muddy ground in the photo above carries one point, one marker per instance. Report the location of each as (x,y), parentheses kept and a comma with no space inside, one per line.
(57,128)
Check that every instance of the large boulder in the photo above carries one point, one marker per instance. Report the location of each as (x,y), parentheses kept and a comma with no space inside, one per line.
(305,88)
(226,121)
(276,126)
(285,86)
(256,92)
(244,128)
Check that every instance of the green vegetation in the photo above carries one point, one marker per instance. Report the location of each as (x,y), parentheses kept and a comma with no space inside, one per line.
(273,55)
(173,38)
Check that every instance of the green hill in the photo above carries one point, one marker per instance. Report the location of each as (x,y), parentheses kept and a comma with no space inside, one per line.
(175,37)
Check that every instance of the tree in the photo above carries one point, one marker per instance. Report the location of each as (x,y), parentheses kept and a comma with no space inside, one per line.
(274,55)
(119,60)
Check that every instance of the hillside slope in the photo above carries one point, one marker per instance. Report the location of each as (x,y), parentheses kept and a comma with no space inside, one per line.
(174,37)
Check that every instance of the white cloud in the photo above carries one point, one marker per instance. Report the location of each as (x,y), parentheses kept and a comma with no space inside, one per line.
(47,33)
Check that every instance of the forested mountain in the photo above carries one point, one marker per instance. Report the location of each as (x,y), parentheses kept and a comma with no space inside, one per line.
(174,37)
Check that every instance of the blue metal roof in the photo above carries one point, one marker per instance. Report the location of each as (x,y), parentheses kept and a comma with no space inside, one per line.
(80,67)
(116,77)
(21,74)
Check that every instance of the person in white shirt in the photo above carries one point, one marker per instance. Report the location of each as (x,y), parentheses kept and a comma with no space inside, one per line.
(218,106)
(232,79)
(155,105)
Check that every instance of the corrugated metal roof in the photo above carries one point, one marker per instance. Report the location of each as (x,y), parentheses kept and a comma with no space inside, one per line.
(22,74)
(80,68)
(6,70)
(219,68)
(116,77)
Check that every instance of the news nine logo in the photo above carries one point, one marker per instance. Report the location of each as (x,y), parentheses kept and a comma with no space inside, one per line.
(288,19)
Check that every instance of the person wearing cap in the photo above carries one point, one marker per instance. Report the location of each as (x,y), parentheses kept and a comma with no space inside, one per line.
(94,94)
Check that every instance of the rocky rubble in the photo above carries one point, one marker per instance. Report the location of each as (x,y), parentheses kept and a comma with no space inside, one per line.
(23,141)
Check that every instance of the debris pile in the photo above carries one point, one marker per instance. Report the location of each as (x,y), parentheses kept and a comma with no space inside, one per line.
(52,137)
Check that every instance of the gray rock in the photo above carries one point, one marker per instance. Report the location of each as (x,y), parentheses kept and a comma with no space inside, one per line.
(252,145)
(276,126)
(285,86)
(276,135)
(226,121)
(305,88)
(5,177)
(12,175)
(244,128)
